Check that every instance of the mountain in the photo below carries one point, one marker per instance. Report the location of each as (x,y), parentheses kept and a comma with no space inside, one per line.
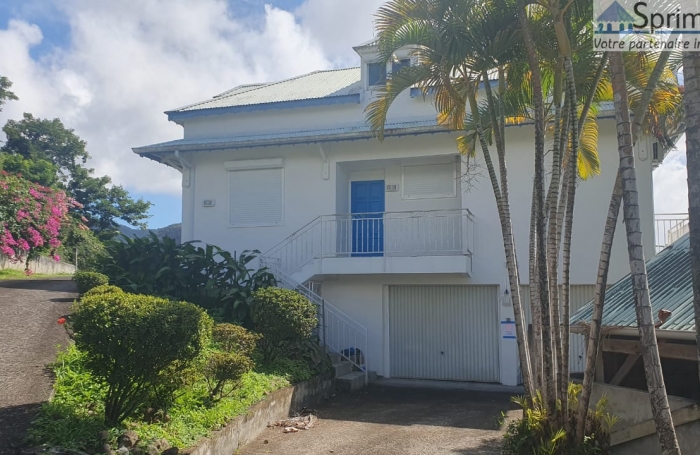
(172,231)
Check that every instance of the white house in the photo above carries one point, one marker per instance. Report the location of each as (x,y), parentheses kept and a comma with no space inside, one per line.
(402,252)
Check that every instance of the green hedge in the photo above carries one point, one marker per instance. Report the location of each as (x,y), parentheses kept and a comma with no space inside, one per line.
(89,280)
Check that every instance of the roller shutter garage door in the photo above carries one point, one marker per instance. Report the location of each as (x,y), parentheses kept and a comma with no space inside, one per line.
(444,332)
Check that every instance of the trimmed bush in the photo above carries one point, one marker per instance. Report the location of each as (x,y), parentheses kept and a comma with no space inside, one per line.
(103,289)
(234,338)
(89,280)
(132,341)
(224,371)
(282,316)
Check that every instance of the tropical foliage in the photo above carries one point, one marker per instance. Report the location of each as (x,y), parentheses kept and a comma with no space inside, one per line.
(207,275)
(86,281)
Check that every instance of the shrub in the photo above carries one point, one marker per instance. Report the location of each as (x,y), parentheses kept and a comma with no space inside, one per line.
(234,338)
(89,280)
(103,289)
(282,316)
(535,433)
(224,369)
(208,276)
(131,341)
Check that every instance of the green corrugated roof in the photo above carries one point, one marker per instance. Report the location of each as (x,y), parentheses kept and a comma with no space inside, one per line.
(670,285)
(319,84)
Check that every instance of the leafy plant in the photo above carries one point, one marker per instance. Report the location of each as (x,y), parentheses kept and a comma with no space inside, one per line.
(282,316)
(223,372)
(208,276)
(131,341)
(536,434)
(234,338)
(89,280)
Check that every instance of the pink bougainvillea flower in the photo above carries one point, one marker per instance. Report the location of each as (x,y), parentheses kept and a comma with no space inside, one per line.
(61,320)
(54,243)
(23,245)
(56,257)
(28,272)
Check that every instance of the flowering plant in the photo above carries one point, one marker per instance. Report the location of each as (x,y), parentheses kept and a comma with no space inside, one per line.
(30,217)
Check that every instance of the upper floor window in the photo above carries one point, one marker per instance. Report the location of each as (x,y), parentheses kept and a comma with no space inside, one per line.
(376,74)
(396,66)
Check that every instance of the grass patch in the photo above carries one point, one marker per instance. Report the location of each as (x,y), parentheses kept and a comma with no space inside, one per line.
(12,274)
(74,418)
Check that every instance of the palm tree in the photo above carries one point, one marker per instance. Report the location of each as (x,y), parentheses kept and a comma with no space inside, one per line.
(651,80)
(650,350)
(691,99)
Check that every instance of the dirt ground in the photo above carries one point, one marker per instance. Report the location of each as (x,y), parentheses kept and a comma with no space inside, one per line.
(396,421)
(29,336)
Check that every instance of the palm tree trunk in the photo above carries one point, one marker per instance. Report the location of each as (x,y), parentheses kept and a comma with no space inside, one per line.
(538,101)
(568,231)
(535,306)
(650,350)
(691,100)
(594,335)
(509,249)
(601,285)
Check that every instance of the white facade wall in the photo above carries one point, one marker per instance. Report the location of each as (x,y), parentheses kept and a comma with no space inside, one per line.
(308,195)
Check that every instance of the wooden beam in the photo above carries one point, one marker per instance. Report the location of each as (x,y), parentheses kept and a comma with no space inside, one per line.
(599,369)
(624,370)
(667,350)
(648,427)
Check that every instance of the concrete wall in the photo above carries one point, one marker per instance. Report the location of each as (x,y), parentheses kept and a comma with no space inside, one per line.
(40,265)
(632,407)
(276,406)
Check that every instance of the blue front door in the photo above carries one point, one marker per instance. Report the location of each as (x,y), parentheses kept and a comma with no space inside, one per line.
(367,208)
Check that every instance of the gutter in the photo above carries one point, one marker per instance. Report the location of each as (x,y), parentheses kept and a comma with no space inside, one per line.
(634,332)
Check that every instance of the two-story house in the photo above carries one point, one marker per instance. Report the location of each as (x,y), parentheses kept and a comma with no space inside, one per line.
(397,241)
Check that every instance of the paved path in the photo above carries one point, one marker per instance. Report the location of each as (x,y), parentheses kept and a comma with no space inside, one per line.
(396,421)
(29,336)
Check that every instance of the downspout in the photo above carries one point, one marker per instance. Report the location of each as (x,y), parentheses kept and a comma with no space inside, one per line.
(188,174)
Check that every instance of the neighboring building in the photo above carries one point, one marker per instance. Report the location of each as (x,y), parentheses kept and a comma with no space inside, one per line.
(405,253)
(671,288)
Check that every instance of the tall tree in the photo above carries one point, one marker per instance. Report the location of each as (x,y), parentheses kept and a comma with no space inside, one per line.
(37,147)
(5,93)
(650,350)
(691,100)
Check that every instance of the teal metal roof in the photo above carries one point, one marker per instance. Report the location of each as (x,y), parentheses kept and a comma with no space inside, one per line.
(316,85)
(670,285)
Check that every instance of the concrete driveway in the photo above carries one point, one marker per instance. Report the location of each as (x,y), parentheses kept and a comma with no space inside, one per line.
(29,337)
(396,421)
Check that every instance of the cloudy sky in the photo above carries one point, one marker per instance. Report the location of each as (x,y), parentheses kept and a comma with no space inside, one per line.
(109,69)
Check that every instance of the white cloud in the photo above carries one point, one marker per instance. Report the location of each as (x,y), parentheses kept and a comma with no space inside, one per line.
(129,61)
(670,182)
(339,25)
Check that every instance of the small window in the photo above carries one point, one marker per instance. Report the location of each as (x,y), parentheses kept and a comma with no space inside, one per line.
(403,63)
(256,195)
(429,181)
(376,74)
(655,148)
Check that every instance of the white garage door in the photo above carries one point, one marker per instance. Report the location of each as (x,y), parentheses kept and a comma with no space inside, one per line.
(444,332)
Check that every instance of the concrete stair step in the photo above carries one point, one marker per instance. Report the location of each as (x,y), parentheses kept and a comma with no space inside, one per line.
(351,381)
(342,368)
(335,357)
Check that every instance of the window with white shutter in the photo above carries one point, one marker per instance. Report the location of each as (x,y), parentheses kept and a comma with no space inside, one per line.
(429,181)
(256,192)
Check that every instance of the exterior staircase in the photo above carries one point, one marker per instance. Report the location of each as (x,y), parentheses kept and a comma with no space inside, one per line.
(341,335)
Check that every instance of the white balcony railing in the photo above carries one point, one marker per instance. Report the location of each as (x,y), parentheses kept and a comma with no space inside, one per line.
(397,234)
(669,228)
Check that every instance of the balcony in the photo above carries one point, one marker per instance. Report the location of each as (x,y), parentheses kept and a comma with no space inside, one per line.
(669,227)
(434,241)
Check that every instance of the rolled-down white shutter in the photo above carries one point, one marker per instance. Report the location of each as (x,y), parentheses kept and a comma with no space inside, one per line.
(429,181)
(256,197)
